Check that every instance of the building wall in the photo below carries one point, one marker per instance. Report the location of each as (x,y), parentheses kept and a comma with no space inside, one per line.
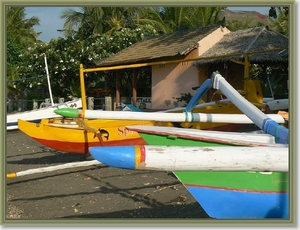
(170,80)
(210,40)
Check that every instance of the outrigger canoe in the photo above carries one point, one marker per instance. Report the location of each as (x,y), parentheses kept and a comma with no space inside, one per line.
(231,175)
(72,136)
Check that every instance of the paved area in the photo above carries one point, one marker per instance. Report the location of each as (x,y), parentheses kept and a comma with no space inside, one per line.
(96,193)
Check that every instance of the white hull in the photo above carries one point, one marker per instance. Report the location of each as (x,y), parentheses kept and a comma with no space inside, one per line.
(38,114)
(279,104)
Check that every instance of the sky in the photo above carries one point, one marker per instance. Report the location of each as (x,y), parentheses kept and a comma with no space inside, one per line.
(50,20)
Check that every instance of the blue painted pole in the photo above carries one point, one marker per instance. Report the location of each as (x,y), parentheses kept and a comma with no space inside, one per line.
(198,95)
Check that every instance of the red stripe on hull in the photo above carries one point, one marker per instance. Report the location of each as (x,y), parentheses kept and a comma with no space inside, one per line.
(83,147)
(143,153)
(236,189)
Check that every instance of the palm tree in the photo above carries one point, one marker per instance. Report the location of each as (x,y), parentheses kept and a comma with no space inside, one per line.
(20,36)
(204,16)
(122,17)
(155,17)
(177,18)
(83,23)
(280,20)
(170,19)
(20,28)
(99,20)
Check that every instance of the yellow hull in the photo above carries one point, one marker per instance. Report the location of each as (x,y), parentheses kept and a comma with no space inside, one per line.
(73,139)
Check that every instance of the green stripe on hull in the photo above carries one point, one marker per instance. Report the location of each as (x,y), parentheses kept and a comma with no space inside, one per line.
(254,181)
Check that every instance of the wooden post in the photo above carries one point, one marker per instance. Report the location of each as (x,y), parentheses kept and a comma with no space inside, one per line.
(246,67)
(118,96)
(134,87)
(246,72)
(82,87)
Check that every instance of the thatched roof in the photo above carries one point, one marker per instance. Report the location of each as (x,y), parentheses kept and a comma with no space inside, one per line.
(174,45)
(247,41)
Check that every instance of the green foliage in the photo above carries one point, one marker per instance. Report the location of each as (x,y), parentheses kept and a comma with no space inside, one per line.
(99,20)
(35,96)
(106,20)
(92,35)
(19,28)
(170,19)
(14,50)
(272,79)
(278,86)
(273,11)
(65,55)
(280,16)
(234,25)
(185,97)
(20,35)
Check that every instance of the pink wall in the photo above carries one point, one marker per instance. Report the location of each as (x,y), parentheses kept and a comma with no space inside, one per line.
(170,80)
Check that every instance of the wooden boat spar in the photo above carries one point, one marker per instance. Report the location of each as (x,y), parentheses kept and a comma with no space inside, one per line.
(232,175)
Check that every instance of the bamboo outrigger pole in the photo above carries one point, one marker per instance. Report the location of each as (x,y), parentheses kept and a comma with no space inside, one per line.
(52,168)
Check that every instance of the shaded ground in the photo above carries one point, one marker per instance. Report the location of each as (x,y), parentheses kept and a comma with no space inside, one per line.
(98,192)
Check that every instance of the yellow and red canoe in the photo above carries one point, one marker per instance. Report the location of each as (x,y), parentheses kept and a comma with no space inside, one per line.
(70,137)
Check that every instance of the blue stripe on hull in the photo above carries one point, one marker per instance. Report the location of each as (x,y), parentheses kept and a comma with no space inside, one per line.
(223,204)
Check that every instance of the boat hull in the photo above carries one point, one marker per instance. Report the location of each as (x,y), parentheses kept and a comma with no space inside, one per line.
(73,139)
(231,195)
(267,205)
